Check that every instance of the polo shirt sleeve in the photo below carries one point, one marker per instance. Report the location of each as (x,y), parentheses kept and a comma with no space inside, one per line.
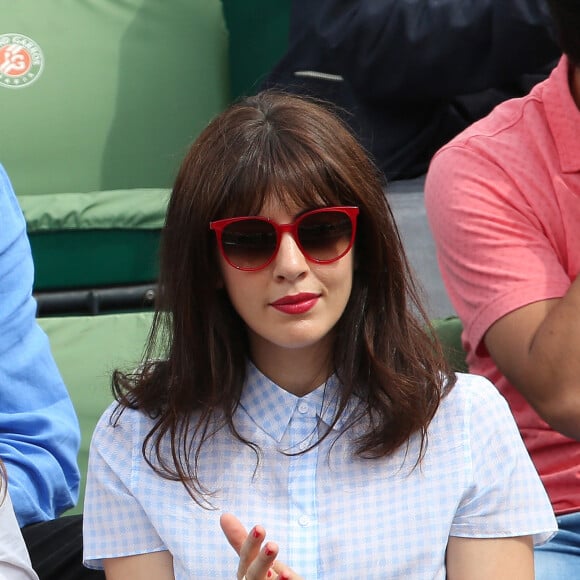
(505,497)
(115,523)
(493,253)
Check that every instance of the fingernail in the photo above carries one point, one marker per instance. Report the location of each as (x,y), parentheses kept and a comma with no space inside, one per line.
(269,574)
(255,533)
(268,551)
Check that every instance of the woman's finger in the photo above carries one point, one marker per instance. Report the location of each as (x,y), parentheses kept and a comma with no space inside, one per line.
(250,552)
(234,531)
(247,546)
(261,566)
(284,572)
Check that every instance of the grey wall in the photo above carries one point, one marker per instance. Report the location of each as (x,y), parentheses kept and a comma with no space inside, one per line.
(406,201)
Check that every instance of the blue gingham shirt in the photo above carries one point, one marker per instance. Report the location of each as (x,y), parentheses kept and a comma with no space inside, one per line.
(332,514)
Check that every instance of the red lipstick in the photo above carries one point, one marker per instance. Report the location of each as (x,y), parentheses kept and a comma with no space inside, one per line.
(297,303)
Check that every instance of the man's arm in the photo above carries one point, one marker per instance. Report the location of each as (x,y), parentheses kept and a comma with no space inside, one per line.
(507,282)
(436,48)
(39,431)
(537,348)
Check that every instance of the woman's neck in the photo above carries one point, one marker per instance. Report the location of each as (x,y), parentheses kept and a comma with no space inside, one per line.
(298,371)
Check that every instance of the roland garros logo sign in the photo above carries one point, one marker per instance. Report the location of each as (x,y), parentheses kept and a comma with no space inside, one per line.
(21,61)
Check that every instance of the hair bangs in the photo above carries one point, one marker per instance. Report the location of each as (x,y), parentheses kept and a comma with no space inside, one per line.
(283,168)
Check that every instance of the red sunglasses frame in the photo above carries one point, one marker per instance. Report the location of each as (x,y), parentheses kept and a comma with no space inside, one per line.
(218,227)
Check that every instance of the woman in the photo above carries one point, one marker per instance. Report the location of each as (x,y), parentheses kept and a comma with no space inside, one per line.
(296,389)
(14,558)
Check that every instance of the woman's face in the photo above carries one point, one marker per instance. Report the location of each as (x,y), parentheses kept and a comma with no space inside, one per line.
(292,303)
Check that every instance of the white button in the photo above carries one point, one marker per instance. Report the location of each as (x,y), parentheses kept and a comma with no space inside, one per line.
(303,408)
(304,521)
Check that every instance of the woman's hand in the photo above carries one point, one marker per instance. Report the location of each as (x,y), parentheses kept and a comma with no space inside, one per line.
(257,561)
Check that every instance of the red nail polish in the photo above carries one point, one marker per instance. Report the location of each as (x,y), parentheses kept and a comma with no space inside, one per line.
(255,533)
(268,552)
(269,574)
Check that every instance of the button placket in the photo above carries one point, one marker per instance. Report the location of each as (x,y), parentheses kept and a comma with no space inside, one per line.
(302,486)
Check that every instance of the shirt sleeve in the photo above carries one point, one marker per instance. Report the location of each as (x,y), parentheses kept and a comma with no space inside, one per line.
(506,497)
(14,560)
(39,431)
(115,523)
(493,253)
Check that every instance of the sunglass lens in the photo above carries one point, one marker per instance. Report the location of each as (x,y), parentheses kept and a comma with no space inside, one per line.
(249,243)
(325,236)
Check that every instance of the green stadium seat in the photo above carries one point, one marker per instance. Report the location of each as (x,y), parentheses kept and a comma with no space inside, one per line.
(99,98)
(87,349)
(449,331)
(123,89)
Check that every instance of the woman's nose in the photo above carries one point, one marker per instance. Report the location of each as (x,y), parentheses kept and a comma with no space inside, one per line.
(290,262)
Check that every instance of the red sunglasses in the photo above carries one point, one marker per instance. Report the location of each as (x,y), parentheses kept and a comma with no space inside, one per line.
(323,235)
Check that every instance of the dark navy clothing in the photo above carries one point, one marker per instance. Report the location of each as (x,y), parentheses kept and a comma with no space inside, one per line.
(410,74)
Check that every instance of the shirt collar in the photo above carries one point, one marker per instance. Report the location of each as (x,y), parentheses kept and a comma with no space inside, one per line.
(563,116)
(271,407)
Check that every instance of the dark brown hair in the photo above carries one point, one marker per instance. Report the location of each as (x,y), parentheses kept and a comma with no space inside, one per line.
(296,150)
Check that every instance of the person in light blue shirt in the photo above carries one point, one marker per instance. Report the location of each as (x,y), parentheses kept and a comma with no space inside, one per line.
(39,431)
(292,395)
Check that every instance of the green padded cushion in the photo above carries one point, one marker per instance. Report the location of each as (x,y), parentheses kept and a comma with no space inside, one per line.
(258,38)
(125,87)
(120,209)
(94,239)
(449,332)
(87,349)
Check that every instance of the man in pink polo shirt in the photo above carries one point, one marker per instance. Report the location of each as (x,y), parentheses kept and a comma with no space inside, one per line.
(503,201)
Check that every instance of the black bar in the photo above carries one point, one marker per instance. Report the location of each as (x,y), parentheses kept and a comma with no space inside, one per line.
(95,301)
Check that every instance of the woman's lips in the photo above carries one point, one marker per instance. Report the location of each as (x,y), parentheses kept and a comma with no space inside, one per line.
(297,303)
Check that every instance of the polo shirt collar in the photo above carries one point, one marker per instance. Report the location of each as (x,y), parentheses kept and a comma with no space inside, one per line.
(563,116)
(271,407)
